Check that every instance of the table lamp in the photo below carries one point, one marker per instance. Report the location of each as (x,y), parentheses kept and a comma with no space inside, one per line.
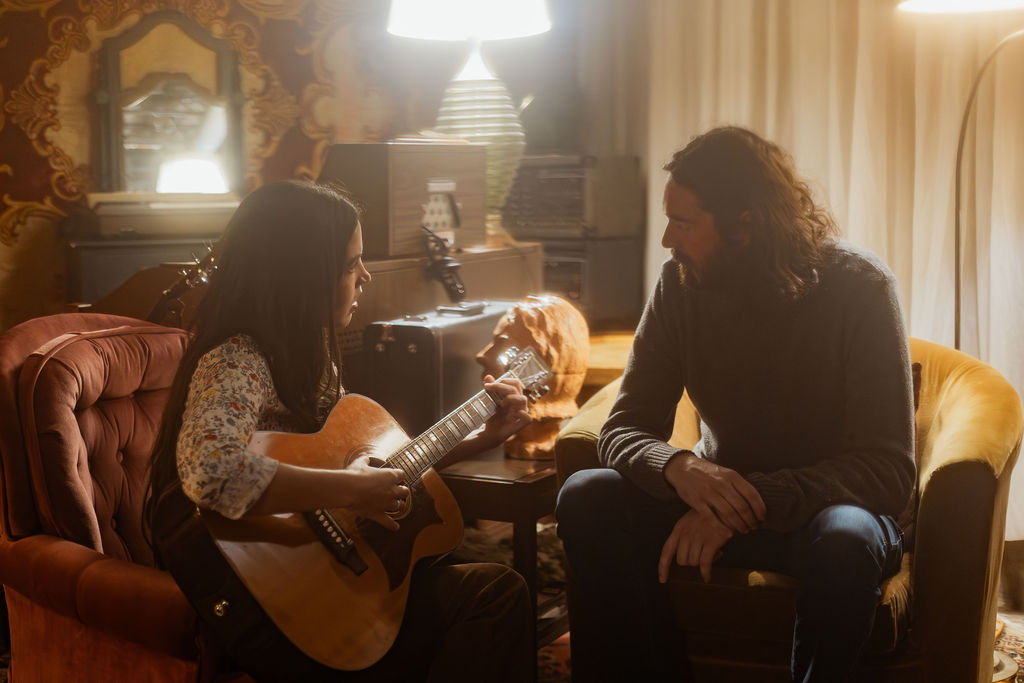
(476,105)
(963,7)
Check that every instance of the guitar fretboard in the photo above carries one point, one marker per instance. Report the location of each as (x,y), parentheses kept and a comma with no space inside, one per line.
(423,452)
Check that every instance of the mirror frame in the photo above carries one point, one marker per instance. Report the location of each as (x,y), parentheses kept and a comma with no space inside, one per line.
(108,149)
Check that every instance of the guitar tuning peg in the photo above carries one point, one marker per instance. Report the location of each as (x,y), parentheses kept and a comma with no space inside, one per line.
(530,396)
(506,357)
(543,389)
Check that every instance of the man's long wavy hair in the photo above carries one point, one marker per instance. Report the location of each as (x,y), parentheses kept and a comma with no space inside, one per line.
(278,265)
(748,183)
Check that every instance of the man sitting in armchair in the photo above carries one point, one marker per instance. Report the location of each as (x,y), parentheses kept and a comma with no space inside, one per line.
(791,345)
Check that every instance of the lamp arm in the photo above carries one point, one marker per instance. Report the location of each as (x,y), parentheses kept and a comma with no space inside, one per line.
(959,165)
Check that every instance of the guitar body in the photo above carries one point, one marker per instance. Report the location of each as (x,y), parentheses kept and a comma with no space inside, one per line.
(343,619)
(334,585)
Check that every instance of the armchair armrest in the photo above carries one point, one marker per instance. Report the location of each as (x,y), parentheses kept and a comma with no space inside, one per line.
(576,445)
(972,415)
(131,601)
(969,426)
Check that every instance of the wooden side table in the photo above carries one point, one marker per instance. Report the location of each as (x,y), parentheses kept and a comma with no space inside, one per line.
(494,487)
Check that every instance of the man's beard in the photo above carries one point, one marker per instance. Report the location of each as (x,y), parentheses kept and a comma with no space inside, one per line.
(687,273)
(729,268)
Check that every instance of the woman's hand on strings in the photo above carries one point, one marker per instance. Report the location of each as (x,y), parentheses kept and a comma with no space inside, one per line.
(376,491)
(512,412)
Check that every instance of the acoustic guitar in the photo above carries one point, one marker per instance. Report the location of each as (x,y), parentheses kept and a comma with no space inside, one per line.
(335,584)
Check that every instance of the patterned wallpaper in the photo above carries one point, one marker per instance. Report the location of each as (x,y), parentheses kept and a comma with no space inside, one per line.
(311,73)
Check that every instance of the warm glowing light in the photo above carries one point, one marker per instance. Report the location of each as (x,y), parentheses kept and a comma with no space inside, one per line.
(191,175)
(475,69)
(468,19)
(959,6)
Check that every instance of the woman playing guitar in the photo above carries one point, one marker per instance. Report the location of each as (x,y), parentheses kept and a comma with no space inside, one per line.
(264,355)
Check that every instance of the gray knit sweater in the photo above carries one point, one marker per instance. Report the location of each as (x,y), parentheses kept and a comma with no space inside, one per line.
(809,400)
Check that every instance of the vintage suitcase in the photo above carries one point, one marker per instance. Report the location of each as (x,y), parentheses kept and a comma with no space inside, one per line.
(422,367)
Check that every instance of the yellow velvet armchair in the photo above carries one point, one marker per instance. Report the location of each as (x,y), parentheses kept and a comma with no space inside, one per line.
(935,622)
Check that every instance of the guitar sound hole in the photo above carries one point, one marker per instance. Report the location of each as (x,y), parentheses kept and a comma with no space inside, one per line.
(358,452)
(403,511)
(394,548)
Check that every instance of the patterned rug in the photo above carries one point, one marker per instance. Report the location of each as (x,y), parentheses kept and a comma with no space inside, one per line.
(492,542)
(553,664)
(1010,642)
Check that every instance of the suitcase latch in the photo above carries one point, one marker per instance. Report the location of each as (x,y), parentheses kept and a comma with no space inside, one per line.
(386,335)
(464,308)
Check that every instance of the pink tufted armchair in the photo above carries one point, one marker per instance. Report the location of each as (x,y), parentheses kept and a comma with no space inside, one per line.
(80,399)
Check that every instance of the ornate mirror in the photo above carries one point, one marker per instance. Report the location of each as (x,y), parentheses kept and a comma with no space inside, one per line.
(168,110)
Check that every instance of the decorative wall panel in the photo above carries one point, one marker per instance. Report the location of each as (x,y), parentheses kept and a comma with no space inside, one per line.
(304,74)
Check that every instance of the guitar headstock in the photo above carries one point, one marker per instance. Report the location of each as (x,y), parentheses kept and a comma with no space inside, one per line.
(529,368)
(192,276)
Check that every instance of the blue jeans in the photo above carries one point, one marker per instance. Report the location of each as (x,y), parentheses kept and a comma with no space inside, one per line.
(623,628)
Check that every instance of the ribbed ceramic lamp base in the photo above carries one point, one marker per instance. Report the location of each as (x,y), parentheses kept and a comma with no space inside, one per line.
(482,111)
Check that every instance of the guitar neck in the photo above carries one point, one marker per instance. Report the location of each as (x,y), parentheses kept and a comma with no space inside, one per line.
(423,452)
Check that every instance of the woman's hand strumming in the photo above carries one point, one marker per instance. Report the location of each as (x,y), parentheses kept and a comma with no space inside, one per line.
(375,491)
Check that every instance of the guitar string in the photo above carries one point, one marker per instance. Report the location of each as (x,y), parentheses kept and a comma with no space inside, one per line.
(412,461)
(414,451)
(421,453)
(417,456)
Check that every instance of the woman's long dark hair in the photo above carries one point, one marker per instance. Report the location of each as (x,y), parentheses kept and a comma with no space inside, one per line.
(734,171)
(278,266)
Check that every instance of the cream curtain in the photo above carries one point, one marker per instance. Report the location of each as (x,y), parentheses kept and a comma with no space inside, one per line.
(868,100)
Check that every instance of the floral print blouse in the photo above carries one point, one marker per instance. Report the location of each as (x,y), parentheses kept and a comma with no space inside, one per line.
(231,395)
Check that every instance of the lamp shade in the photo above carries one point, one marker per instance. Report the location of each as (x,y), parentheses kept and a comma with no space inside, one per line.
(958,6)
(468,19)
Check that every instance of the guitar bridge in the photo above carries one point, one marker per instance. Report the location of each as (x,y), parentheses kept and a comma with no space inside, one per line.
(335,539)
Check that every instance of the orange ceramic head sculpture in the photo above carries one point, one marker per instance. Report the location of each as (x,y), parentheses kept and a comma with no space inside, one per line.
(560,336)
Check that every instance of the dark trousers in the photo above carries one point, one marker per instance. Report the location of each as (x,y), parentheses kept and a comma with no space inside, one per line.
(464,622)
(622,626)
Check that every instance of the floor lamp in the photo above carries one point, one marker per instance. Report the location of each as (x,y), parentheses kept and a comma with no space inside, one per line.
(1004,669)
(964,7)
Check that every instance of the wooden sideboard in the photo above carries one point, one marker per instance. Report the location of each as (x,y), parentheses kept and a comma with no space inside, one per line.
(400,286)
